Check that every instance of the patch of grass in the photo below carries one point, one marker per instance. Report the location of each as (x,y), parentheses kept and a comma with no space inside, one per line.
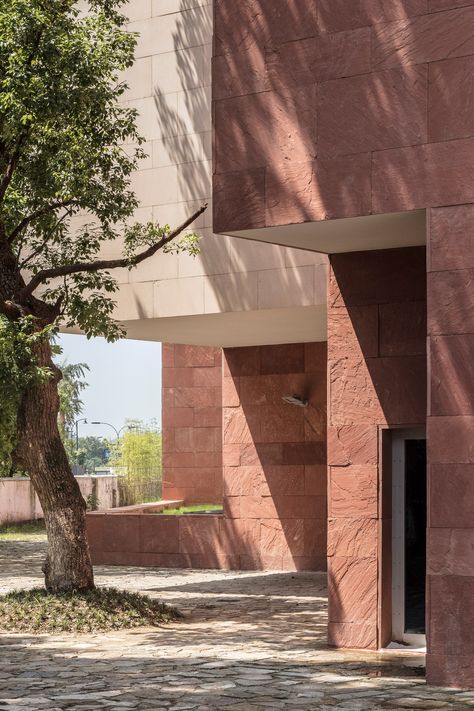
(29,531)
(215,508)
(98,610)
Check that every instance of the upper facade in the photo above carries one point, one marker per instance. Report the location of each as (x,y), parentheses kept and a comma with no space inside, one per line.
(341,109)
(234,292)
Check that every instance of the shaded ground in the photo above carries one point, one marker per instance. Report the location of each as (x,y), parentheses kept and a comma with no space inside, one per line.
(248,642)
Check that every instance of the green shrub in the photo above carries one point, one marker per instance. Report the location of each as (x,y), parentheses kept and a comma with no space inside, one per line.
(97,610)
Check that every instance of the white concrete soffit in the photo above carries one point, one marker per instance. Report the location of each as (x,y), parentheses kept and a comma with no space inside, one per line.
(241,328)
(352,234)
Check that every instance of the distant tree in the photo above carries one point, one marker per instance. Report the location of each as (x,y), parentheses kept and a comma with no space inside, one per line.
(92,452)
(137,457)
(62,132)
(70,388)
(139,449)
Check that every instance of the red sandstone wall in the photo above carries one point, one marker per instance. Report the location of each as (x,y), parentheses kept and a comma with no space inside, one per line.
(377,378)
(202,542)
(275,454)
(451,446)
(351,107)
(192,423)
(340,108)
(275,483)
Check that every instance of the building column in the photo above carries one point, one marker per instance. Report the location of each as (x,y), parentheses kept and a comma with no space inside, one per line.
(450,613)
(192,423)
(376,380)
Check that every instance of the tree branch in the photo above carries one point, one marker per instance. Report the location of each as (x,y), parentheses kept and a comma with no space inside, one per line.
(38,213)
(106,264)
(12,164)
(43,244)
(10,310)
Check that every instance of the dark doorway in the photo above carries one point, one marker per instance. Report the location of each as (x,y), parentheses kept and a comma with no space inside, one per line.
(415,535)
(409,537)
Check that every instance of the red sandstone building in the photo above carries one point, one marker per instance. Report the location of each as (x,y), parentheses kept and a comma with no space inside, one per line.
(343,128)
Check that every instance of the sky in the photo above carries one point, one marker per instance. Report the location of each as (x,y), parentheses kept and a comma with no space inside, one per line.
(124,381)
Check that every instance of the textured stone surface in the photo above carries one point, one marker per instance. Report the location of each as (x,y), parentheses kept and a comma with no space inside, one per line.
(272,468)
(451,502)
(352,444)
(353,492)
(451,244)
(383,277)
(261,22)
(354,331)
(192,423)
(451,306)
(436,5)
(239,73)
(336,15)
(353,635)
(403,329)
(451,377)
(450,449)
(427,38)
(451,615)
(157,534)
(374,112)
(450,110)
(451,551)
(352,538)
(377,376)
(328,188)
(231,192)
(353,395)
(322,58)
(434,174)
(260,129)
(352,584)
(276,453)
(368,61)
(450,439)
(454,671)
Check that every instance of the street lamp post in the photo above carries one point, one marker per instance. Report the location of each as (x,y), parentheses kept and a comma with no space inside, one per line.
(128,427)
(117,433)
(76,425)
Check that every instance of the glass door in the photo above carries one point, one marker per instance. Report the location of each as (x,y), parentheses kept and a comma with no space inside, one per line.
(409,504)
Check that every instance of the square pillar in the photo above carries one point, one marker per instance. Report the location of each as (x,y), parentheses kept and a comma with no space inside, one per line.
(377,380)
(192,423)
(450,615)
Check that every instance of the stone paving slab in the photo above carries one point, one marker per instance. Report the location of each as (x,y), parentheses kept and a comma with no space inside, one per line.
(247,642)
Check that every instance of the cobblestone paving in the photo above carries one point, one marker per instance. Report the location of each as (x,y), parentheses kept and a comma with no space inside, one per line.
(248,642)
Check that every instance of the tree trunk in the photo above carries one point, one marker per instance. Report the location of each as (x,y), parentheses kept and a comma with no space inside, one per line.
(40,452)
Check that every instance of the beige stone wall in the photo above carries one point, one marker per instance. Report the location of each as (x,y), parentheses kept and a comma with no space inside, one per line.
(170,86)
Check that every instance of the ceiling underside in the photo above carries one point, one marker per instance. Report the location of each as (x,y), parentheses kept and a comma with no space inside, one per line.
(352,234)
(242,328)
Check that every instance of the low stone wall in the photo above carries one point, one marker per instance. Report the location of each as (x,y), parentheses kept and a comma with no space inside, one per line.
(18,501)
(193,541)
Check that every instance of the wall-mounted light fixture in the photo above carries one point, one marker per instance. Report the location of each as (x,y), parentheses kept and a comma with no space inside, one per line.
(298,400)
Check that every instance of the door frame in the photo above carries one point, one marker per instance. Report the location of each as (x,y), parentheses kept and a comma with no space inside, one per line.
(399,436)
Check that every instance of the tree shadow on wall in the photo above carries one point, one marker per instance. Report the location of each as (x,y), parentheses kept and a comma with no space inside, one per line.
(185,121)
(301,109)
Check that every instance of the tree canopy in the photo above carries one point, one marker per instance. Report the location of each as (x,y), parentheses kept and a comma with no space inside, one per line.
(63,132)
(68,148)
(138,451)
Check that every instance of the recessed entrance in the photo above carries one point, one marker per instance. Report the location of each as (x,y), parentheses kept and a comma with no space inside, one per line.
(409,537)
